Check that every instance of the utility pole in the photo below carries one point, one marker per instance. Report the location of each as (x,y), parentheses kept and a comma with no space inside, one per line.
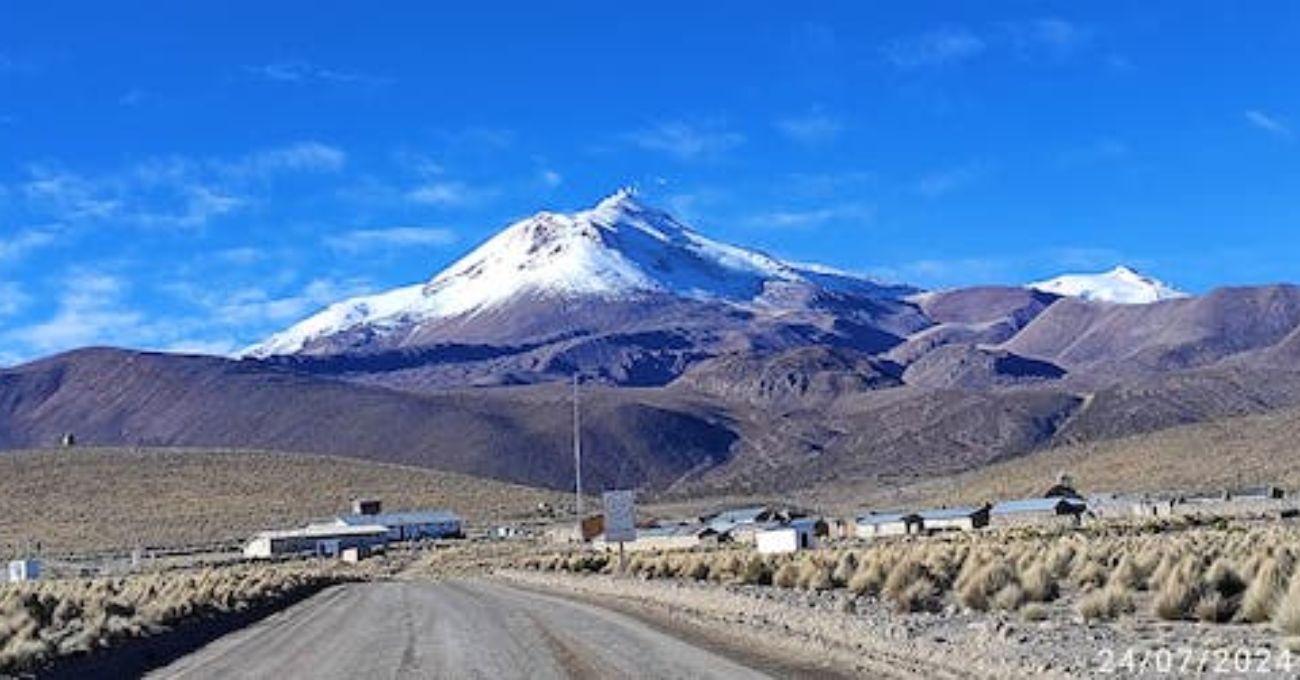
(577,451)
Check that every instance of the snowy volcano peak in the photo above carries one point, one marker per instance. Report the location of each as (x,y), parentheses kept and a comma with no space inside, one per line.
(620,249)
(1122,285)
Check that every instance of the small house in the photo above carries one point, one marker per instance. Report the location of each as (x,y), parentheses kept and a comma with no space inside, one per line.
(881,524)
(965,518)
(411,526)
(320,540)
(1037,511)
(799,534)
(671,537)
(24,570)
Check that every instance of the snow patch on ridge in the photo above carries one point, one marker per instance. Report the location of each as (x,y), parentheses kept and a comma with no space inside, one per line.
(1121,285)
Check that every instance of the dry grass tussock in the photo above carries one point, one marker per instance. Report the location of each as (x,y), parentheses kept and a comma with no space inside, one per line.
(45,620)
(1212,574)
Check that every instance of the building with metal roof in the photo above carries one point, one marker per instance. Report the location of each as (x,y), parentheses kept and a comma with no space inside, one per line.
(326,540)
(411,526)
(881,524)
(1057,510)
(963,518)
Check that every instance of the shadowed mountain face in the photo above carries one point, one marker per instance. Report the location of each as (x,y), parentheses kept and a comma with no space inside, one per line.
(708,366)
(118,397)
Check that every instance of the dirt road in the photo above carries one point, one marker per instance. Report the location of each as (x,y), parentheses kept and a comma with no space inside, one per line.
(466,629)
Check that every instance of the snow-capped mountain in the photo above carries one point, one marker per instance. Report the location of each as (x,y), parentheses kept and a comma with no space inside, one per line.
(1121,285)
(619,250)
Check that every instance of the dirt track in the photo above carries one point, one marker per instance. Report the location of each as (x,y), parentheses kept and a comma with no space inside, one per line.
(465,629)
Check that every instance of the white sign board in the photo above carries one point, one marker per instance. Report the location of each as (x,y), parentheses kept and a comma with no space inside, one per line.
(620,516)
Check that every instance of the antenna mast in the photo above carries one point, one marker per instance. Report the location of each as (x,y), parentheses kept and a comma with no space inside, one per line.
(577,449)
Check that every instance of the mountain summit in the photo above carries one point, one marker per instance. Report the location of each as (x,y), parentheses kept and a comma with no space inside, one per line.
(1121,285)
(620,250)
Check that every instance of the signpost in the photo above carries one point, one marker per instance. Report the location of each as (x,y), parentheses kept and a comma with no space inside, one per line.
(620,519)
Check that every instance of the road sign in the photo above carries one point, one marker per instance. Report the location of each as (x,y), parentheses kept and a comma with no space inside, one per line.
(620,516)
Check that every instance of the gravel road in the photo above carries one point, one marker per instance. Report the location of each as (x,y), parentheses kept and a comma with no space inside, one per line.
(454,629)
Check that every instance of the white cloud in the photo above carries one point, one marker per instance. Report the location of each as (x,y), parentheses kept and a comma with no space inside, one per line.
(309,156)
(90,312)
(686,141)
(1052,37)
(174,191)
(241,256)
(550,178)
(812,128)
(1270,123)
(807,219)
(449,193)
(69,196)
(945,45)
(17,246)
(948,180)
(13,298)
(1048,38)
(1098,151)
(303,71)
(394,237)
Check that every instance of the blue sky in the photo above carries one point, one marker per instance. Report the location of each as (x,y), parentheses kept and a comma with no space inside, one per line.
(189,177)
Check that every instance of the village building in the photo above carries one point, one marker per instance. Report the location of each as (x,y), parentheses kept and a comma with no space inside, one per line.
(24,570)
(667,537)
(799,534)
(320,540)
(966,518)
(1038,511)
(411,526)
(882,524)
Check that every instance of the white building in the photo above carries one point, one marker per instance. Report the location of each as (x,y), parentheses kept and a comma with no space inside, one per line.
(799,534)
(323,540)
(24,570)
(880,524)
(410,526)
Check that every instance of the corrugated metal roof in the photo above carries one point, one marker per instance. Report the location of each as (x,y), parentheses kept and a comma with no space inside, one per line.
(875,518)
(1035,505)
(673,530)
(326,531)
(393,519)
(948,513)
(740,515)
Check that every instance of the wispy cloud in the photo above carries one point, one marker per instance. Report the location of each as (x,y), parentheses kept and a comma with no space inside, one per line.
(810,218)
(90,311)
(25,241)
(450,194)
(686,141)
(13,298)
(944,45)
(310,156)
(947,180)
(1098,151)
(170,192)
(550,178)
(303,71)
(359,240)
(812,128)
(1270,123)
(1048,39)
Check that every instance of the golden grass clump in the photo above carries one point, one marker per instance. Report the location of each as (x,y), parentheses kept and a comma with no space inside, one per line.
(979,590)
(1105,604)
(1266,589)
(1286,614)
(44,620)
